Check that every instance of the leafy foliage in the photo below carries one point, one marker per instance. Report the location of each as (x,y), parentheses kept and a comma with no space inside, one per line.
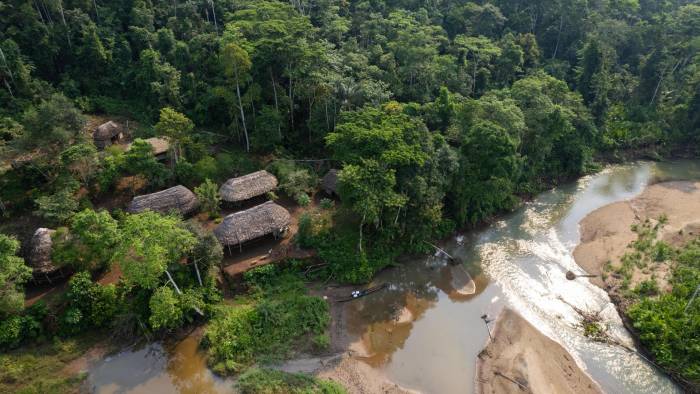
(277,314)
(269,381)
(13,275)
(150,243)
(89,243)
(208,196)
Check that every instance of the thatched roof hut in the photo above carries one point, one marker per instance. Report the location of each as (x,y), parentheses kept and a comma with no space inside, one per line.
(177,198)
(248,186)
(240,227)
(329,183)
(159,145)
(40,252)
(107,134)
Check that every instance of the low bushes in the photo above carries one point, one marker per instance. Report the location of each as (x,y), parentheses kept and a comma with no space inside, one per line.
(668,324)
(272,317)
(266,381)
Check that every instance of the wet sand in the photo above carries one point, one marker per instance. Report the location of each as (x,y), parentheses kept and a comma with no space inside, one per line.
(606,233)
(359,378)
(520,353)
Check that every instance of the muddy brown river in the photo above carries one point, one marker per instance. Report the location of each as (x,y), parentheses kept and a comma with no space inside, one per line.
(425,330)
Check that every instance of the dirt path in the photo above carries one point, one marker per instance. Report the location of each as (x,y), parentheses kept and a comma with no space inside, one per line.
(521,359)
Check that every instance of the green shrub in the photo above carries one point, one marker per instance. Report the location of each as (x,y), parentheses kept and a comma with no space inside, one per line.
(294,180)
(668,324)
(302,199)
(267,381)
(208,196)
(59,206)
(278,314)
(165,309)
(647,288)
(88,304)
(11,332)
(327,203)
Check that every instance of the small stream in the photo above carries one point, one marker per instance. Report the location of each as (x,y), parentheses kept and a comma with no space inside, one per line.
(424,332)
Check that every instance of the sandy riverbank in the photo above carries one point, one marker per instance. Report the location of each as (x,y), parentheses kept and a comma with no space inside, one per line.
(520,353)
(347,366)
(606,233)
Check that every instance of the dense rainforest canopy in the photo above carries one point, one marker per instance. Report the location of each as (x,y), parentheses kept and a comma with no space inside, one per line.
(437,114)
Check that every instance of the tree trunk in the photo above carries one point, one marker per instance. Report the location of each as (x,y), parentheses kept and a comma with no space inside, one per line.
(9,89)
(661,78)
(474,77)
(277,106)
(359,244)
(240,107)
(291,96)
(97,15)
(561,24)
(199,276)
(41,16)
(65,25)
(213,11)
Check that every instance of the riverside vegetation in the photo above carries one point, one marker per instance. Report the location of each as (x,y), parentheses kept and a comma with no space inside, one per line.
(438,116)
(665,319)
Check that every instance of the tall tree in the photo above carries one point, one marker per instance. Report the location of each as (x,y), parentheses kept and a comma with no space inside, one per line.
(150,243)
(237,64)
(176,127)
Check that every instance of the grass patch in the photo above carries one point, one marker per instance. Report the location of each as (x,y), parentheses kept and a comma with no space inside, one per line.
(41,368)
(266,381)
(268,322)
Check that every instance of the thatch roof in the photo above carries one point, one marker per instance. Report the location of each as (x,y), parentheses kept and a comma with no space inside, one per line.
(329,183)
(40,251)
(256,222)
(106,131)
(248,186)
(159,145)
(178,198)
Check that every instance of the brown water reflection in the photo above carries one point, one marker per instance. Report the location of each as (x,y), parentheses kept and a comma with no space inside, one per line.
(382,322)
(157,368)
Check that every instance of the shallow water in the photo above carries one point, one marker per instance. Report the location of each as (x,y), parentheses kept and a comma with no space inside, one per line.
(425,330)
(520,261)
(157,368)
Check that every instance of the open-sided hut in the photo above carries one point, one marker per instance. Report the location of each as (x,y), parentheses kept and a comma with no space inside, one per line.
(40,252)
(259,221)
(329,183)
(248,186)
(177,198)
(106,134)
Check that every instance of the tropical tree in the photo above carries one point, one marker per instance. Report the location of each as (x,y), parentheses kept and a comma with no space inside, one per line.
(236,64)
(13,275)
(90,242)
(208,196)
(165,311)
(176,127)
(150,243)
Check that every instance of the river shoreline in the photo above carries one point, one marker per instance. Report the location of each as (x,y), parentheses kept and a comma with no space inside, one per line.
(607,234)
